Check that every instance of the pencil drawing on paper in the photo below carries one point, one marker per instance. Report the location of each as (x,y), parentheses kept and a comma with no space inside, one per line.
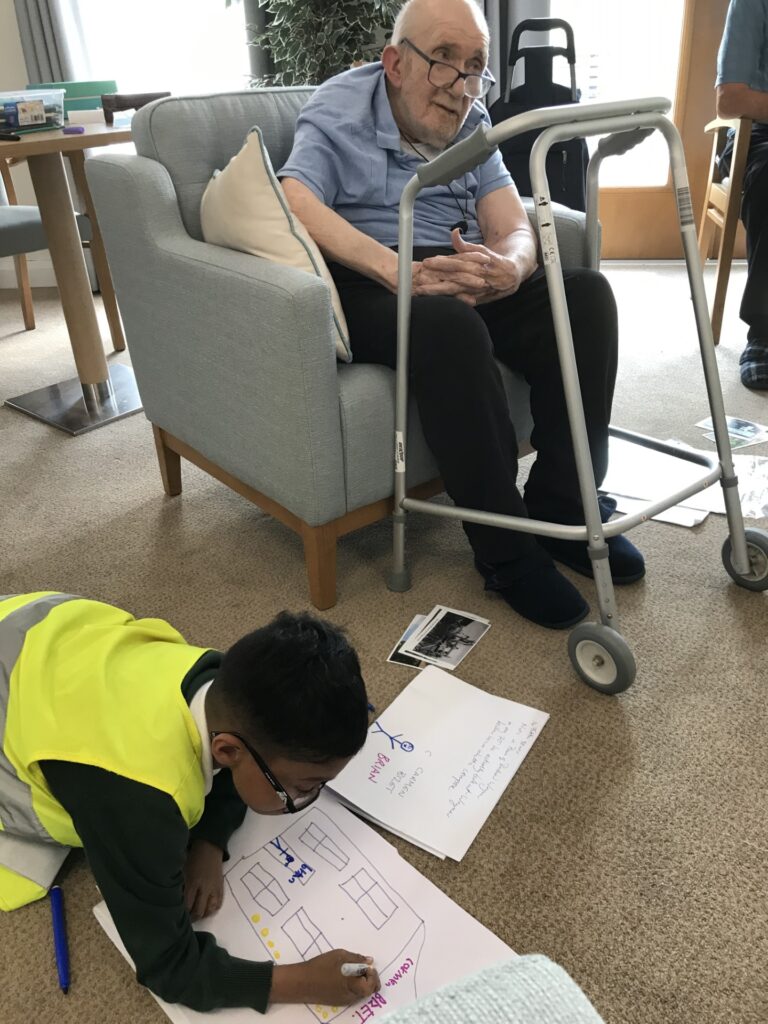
(370,898)
(305,935)
(265,890)
(310,889)
(314,837)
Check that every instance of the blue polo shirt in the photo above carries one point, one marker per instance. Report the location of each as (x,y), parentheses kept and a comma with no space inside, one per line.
(743,55)
(347,151)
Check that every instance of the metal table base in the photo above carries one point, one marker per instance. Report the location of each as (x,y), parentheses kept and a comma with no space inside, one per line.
(77,408)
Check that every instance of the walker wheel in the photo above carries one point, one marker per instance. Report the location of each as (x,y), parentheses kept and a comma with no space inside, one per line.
(757,552)
(602,657)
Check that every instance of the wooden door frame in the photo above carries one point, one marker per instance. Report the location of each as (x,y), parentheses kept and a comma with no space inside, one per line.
(641,223)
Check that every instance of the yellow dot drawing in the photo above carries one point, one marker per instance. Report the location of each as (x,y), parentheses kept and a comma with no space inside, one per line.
(276,955)
(334,1009)
(265,931)
(255,918)
(271,944)
(325,1016)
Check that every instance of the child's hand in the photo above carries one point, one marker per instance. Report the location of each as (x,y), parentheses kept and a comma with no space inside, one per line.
(320,980)
(203,879)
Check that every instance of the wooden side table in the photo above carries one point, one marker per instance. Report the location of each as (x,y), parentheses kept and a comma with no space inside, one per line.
(97,395)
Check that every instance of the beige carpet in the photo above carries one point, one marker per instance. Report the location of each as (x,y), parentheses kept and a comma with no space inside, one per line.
(631,845)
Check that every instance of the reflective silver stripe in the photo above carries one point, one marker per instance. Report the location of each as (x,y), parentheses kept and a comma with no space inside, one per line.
(16,811)
(39,862)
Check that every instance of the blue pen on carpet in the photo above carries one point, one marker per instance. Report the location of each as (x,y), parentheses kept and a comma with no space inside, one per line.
(60,937)
(371,707)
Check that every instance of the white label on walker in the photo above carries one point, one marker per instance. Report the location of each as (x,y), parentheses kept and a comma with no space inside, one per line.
(547,239)
(399,452)
(31,112)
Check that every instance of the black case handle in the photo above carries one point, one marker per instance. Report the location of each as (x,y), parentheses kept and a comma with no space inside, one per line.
(543,25)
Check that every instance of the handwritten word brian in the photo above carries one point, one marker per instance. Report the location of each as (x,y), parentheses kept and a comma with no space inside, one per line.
(377,766)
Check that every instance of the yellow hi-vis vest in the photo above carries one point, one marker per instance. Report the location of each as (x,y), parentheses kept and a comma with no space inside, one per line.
(84,682)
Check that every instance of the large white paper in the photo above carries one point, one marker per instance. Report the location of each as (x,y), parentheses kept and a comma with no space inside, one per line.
(323,880)
(437,760)
(638,472)
(678,515)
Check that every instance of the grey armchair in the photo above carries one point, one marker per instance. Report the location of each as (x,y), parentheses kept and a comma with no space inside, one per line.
(234,355)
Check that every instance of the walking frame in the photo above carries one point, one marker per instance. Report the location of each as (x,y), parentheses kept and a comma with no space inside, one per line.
(598,652)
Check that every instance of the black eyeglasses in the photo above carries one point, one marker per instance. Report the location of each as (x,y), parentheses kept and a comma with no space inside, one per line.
(445,76)
(289,806)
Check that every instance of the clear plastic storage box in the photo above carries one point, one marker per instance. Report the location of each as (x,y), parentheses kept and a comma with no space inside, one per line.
(30,109)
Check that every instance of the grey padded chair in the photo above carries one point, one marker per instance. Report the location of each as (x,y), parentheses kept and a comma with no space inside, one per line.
(22,231)
(234,356)
(530,989)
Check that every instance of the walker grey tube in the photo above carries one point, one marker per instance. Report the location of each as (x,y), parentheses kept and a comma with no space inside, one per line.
(399,579)
(550,254)
(739,555)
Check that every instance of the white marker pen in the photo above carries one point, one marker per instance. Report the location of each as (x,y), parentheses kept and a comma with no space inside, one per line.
(354,970)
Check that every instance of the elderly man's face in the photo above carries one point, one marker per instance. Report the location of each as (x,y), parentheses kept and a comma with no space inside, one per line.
(432,113)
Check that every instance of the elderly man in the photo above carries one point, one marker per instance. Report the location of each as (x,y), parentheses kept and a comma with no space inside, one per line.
(478,294)
(742,91)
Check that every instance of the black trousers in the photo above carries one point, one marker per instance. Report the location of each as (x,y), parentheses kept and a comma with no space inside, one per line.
(461,400)
(754,213)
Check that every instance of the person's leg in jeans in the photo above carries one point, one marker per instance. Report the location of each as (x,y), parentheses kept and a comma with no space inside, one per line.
(524,339)
(465,418)
(754,304)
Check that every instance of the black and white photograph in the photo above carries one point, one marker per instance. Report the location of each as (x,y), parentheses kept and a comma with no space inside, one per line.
(446,637)
(396,655)
(738,427)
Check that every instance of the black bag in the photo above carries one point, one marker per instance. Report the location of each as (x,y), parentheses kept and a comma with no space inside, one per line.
(566,162)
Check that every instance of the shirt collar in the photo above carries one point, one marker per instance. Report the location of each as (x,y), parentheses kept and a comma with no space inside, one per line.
(387,132)
(197,710)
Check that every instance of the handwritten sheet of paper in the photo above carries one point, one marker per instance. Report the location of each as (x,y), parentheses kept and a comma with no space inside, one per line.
(437,760)
(322,879)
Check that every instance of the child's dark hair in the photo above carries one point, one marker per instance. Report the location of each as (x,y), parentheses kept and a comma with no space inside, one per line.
(294,687)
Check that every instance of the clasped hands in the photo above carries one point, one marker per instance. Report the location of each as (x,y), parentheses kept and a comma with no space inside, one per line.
(474,274)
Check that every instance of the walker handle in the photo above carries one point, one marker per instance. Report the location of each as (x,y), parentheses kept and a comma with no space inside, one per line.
(457,160)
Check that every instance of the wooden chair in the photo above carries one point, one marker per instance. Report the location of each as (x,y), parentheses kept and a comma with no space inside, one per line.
(8,198)
(722,206)
(21,232)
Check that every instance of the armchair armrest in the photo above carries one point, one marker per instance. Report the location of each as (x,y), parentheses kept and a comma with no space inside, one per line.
(233,354)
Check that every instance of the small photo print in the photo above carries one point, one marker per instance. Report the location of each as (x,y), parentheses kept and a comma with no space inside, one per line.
(396,656)
(447,637)
(736,442)
(738,427)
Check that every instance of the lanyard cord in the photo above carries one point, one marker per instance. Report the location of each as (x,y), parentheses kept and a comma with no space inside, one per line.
(462,225)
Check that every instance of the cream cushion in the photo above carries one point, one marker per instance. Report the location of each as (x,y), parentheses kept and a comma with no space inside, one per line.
(244,207)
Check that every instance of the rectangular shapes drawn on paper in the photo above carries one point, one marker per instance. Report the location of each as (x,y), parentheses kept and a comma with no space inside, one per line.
(305,935)
(265,889)
(321,844)
(370,898)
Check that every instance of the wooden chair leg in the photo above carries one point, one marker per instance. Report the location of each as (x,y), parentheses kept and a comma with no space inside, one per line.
(25,292)
(706,231)
(724,260)
(169,462)
(320,557)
